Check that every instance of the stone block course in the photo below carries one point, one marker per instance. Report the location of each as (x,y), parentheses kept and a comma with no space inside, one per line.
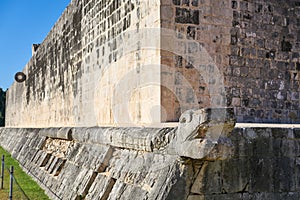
(264,165)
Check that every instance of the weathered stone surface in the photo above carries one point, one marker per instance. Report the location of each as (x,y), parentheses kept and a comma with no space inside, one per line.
(93,46)
(209,179)
(203,133)
(186,16)
(263,165)
(128,63)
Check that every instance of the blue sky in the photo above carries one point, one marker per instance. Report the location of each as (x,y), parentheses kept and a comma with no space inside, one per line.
(23,23)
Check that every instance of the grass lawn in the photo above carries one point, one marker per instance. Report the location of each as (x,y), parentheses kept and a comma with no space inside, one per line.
(29,186)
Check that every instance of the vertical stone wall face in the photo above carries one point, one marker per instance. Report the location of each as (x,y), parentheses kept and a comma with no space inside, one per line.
(195,54)
(243,54)
(89,68)
(264,61)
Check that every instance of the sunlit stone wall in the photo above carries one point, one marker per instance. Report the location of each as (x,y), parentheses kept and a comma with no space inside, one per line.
(143,62)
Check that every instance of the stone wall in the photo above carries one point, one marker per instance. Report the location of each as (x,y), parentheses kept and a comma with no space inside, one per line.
(89,68)
(121,163)
(144,62)
(264,61)
(195,49)
(243,54)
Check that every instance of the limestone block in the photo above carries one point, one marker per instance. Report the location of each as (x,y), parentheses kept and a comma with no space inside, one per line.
(224,197)
(52,165)
(289,195)
(59,133)
(165,170)
(43,159)
(235,175)
(196,197)
(58,167)
(243,144)
(211,185)
(37,141)
(79,134)
(124,191)
(36,157)
(162,138)
(50,161)
(28,154)
(262,170)
(262,195)
(69,184)
(144,139)
(101,187)
(284,174)
(203,131)
(137,139)
(82,182)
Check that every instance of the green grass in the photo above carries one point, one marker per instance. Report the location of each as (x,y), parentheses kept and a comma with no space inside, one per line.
(29,186)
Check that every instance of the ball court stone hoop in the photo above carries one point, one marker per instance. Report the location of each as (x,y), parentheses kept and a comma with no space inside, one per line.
(20,77)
